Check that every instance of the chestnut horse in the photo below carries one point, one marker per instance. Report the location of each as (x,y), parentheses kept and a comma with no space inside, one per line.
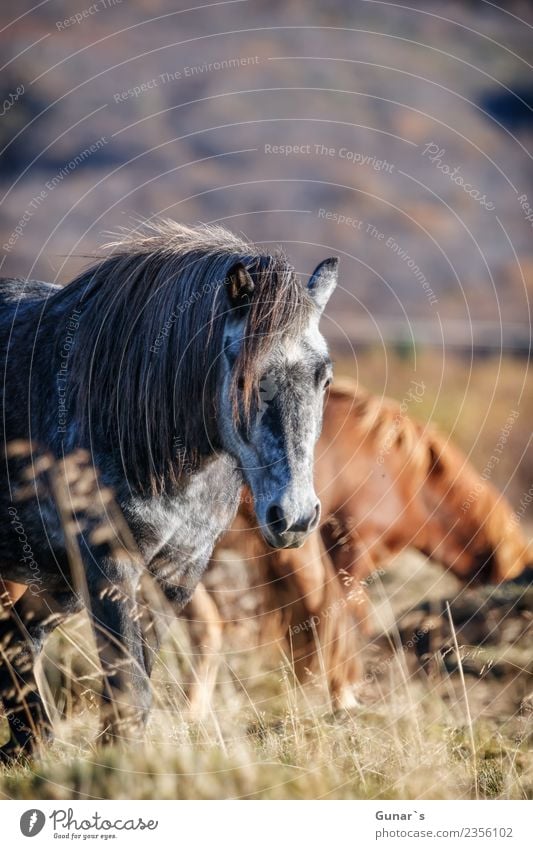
(386,483)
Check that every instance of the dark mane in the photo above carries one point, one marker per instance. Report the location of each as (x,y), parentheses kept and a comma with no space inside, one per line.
(143,368)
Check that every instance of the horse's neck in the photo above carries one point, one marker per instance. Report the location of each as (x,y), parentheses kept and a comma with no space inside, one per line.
(194,516)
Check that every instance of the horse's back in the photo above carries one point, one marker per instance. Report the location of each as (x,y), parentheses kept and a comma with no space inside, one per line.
(20,312)
(14,290)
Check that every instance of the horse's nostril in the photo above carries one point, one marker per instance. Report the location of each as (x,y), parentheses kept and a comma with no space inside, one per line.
(308,523)
(275,518)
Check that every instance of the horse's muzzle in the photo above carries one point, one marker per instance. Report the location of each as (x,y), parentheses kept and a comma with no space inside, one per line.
(279,533)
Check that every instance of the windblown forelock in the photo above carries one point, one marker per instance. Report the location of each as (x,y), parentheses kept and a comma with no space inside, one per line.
(280,310)
(167,277)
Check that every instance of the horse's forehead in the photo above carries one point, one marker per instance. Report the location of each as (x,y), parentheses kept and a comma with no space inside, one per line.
(308,344)
(299,346)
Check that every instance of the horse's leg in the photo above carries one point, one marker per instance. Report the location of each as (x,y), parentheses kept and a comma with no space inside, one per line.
(325,634)
(205,632)
(24,628)
(304,568)
(354,564)
(115,618)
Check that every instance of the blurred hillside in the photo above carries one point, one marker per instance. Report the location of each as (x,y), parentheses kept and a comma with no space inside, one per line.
(341,128)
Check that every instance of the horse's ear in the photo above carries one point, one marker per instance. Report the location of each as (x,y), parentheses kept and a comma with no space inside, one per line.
(239,287)
(323,281)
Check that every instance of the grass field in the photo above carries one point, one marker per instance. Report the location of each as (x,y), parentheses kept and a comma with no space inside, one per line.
(415,735)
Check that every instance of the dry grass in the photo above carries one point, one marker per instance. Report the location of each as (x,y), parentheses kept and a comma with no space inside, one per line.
(270,738)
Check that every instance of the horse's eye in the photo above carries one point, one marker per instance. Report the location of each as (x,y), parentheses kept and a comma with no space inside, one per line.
(323,377)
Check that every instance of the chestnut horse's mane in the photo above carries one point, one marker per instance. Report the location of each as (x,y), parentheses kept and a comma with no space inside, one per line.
(440,472)
(380,421)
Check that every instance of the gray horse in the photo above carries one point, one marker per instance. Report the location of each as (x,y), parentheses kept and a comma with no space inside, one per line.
(154,361)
